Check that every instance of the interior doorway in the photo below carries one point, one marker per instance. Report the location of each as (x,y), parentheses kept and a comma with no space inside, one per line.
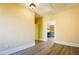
(38,29)
(50,32)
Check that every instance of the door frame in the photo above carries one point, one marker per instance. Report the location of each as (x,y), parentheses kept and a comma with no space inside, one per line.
(45,25)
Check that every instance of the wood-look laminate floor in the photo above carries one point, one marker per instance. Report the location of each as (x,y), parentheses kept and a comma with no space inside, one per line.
(49,48)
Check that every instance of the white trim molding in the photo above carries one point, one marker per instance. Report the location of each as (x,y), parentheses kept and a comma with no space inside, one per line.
(43,39)
(13,50)
(67,43)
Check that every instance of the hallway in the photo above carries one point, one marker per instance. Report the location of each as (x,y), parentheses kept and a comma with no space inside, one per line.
(49,48)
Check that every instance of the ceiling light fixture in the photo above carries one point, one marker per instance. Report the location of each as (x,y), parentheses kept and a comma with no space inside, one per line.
(32,5)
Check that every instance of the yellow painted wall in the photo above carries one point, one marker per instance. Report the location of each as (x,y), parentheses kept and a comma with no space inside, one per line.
(38,29)
(17,26)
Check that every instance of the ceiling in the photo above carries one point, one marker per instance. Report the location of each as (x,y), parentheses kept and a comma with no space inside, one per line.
(43,8)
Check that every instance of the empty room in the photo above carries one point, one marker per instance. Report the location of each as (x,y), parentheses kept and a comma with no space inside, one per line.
(39,28)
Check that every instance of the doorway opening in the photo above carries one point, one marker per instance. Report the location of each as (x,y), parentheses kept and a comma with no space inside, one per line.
(38,29)
(50,32)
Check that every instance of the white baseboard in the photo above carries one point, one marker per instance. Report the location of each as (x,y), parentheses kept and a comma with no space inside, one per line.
(13,50)
(43,40)
(67,43)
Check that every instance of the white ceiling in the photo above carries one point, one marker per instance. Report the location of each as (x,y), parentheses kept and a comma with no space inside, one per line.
(43,8)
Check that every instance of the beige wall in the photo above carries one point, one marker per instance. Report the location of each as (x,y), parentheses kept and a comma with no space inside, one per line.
(17,26)
(67,25)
